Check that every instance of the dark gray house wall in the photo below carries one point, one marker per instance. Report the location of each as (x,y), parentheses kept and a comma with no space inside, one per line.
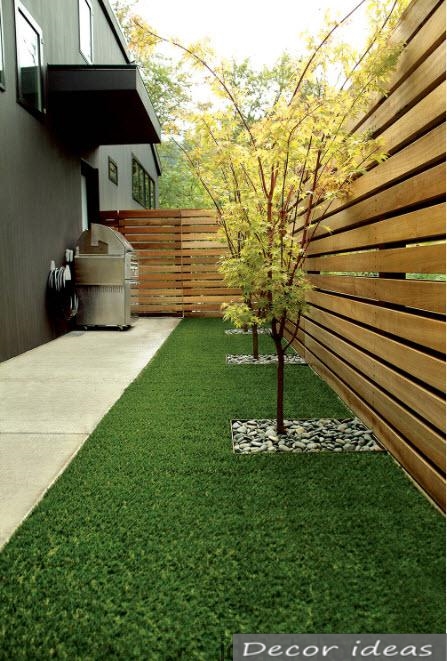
(40,175)
(59,20)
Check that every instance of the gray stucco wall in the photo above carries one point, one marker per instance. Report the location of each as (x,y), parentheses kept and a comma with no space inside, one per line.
(40,179)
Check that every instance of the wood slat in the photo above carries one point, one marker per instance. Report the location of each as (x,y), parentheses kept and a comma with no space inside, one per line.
(429,34)
(198,214)
(142,223)
(163,277)
(144,290)
(422,188)
(201,308)
(198,222)
(195,291)
(147,214)
(203,313)
(414,19)
(155,246)
(204,275)
(148,267)
(422,437)
(427,404)
(424,331)
(424,115)
(422,224)
(419,259)
(198,252)
(424,367)
(416,294)
(189,245)
(192,282)
(157,310)
(425,36)
(427,76)
(197,229)
(154,233)
(205,298)
(423,153)
(196,269)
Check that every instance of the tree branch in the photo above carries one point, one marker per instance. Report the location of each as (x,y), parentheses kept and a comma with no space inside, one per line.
(320,46)
(214,74)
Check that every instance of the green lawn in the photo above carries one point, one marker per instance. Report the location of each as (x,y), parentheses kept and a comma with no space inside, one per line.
(158,543)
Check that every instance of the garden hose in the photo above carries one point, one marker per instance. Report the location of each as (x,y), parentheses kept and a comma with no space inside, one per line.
(63,297)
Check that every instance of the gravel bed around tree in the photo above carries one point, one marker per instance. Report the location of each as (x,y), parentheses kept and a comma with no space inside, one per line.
(241,331)
(266,359)
(307,435)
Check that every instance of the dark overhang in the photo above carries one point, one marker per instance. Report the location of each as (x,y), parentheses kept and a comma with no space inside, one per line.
(101,105)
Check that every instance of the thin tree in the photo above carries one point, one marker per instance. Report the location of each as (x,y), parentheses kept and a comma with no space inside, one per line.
(271,173)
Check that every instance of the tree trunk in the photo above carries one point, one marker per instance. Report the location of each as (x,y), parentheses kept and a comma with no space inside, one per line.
(255,341)
(277,338)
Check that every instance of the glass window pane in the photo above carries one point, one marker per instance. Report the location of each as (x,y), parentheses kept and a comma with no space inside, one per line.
(142,186)
(85,30)
(135,180)
(29,64)
(152,194)
(113,171)
(147,194)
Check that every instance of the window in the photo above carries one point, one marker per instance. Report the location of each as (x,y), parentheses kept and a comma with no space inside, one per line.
(113,171)
(29,61)
(2,53)
(143,186)
(86,30)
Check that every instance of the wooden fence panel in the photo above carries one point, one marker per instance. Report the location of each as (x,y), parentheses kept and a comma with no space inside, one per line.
(348,383)
(375,328)
(178,253)
(421,224)
(425,332)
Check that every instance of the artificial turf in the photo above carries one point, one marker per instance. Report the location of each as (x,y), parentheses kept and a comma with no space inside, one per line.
(158,543)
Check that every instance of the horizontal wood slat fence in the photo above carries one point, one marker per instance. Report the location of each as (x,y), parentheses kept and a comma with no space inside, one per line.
(178,253)
(375,328)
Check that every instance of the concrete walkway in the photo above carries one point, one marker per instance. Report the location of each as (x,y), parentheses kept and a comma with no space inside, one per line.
(52,398)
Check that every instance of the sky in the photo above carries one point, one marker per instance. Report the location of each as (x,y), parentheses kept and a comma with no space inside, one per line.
(258,29)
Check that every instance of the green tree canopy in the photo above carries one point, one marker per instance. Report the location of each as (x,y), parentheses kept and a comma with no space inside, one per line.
(169,86)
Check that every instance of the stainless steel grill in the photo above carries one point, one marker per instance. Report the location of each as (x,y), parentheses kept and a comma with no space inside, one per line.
(105,271)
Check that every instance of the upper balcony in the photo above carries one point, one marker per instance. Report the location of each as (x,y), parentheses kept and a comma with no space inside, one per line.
(101,105)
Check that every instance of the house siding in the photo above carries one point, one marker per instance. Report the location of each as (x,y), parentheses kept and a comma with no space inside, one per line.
(40,178)
(120,197)
(59,20)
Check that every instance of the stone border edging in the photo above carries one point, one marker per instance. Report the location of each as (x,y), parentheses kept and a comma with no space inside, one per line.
(241,331)
(266,359)
(303,435)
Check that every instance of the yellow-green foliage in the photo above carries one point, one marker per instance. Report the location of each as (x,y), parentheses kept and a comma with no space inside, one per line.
(273,147)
